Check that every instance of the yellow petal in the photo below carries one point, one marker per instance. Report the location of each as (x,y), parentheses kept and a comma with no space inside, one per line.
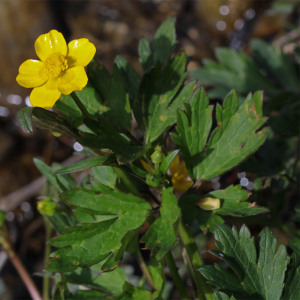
(73,79)
(209,203)
(50,43)
(174,165)
(52,83)
(80,52)
(31,74)
(44,97)
(182,186)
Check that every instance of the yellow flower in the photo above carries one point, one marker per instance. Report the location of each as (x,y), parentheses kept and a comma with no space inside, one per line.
(60,69)
(180,177)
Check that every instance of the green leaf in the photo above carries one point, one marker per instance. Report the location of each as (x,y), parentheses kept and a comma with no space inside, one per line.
(134,293)
(24,117)
(85,164)
(291,284)
(295,244)
(48,120)
(146,54)
(259,273)
(113,94)
(111,282)
(164,40)
(161,234)
(235,137)
(130,77)
(48,173)
(60,183)
(234,70)
(89,244)
(157,103)
(233,202)
(165,164)
(90,99)
(105,175)
(222,296)
(89,295)
(276,64)
(111,142)
(156,270)
(193,127)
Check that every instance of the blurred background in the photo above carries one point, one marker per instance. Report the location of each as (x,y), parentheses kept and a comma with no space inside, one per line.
(115,28)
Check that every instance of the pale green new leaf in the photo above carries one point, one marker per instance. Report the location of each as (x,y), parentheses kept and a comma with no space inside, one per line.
(259,272)
(236,136)
(89,244)
(161,234)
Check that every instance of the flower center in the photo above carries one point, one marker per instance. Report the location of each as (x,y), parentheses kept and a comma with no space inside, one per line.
(55,64)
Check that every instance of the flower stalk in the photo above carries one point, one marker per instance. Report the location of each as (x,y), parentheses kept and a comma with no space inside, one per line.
(7,246)
(194,262)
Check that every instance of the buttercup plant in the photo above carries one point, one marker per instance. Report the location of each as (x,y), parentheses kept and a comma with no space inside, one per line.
(145,177)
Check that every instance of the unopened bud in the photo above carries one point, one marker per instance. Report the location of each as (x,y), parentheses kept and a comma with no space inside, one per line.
(157,156)
(46,207)
(209,203)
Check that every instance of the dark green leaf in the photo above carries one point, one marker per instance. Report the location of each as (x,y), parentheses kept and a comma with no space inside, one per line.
(48,120)
(276,64)
(48,173)
(222,296)
(260,273)
(112,281)
(164,40)
(155,109)
(85,164)
(113,94)
(24,117)
(130,77)
(161,234)
(167,161)
(89,295)
(233,202)
(146,54)
(134,293)
(234,70)
(291,283)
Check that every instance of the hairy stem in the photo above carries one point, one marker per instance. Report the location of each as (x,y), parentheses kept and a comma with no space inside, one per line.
(46,280)
(194,262)
(175,275)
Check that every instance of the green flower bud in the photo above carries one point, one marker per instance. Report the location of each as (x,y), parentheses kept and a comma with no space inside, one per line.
(46,207)
(157,156)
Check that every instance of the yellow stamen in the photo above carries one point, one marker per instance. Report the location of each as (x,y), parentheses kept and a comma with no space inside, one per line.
(55,64)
